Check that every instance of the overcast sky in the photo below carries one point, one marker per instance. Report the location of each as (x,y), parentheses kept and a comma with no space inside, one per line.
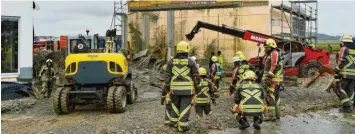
(71,18)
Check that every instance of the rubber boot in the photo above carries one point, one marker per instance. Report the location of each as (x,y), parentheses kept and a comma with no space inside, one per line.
(269,116)
(184,128)
(257,122)
(243,123)
(346,110)
(277,112)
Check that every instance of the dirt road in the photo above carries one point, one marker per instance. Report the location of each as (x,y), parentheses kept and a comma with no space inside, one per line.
(303,111)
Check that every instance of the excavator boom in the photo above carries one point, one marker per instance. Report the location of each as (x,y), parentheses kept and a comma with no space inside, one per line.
(244,34)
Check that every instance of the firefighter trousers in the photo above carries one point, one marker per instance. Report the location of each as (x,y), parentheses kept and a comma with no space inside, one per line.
(346,94)
(168,112)
(202,109)
(47,87)
(181,105)
(273,99)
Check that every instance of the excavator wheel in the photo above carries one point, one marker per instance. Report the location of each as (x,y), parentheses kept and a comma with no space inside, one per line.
(61,101)
(133,95)
(116,99)
(310,69)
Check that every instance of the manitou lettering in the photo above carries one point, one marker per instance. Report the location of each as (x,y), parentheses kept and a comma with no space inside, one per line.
(257,38)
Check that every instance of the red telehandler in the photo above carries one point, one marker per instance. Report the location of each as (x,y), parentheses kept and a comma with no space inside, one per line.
(299,60)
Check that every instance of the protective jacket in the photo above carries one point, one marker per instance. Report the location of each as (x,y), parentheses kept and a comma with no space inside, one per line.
(45,74)
(273,63)
(205,92)
(216,70)
(181,74)
(346,62)
(250,99)
(237,75)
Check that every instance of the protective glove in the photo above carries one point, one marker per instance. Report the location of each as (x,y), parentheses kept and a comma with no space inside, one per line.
(162,101)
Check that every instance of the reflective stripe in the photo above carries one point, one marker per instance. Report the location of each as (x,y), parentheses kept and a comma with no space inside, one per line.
(344,100)
(184,112)
(183,123)
(271,107)
(252,106)
(175,109)
(170,118)
(252,110)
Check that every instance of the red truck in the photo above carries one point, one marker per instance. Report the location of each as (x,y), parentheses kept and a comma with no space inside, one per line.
(299,60)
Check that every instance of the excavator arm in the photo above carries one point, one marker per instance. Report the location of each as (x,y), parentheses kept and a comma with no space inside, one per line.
(244,34)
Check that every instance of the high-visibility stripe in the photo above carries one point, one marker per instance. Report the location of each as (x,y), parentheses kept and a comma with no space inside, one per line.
(252,110)
(345,100)
(170,118)
(274,60)
(341,54)
(184,112)
(175,109)
(252,106)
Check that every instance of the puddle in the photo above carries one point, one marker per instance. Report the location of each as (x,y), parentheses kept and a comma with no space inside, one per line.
(329,122)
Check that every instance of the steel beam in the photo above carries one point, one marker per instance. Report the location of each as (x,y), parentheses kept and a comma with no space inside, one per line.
(170,32)
(196,6)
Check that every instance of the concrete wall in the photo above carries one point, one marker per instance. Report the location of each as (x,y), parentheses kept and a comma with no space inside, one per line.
(248,18)
(24,10)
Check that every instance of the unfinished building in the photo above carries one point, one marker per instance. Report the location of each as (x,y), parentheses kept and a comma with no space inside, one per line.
(147,24)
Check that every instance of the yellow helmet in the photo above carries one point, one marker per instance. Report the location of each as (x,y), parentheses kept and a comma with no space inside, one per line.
(202,71)
(164,67)
(236,59)
(214,58)
(249,75)
(182,47)
(270,43)
(312,46)
(346,38)
(240,53)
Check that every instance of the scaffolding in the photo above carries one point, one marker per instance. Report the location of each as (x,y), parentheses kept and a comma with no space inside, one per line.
(119,21)
(301,18)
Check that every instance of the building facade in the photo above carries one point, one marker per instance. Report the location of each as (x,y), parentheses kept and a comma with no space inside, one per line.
(16,39)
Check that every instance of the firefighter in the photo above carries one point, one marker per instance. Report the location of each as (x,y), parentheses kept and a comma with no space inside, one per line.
(205,93)
(237,75)
(249,101)
(272,78)
(220,58)
(346,73)
(216,72)
(236,64)
(47,78)
(181,82)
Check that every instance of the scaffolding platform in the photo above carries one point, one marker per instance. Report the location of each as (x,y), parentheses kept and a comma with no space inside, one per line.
(294,11)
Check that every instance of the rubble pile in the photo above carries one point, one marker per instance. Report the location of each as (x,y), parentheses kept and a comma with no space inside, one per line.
(17,105)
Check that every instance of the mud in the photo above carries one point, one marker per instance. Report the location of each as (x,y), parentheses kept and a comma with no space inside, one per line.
(308,110)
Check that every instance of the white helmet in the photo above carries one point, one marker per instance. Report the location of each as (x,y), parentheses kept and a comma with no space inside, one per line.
(236,58)
(49,60)
(346,38)
(193,58)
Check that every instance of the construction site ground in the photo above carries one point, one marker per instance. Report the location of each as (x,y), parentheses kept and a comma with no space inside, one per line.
(304,110)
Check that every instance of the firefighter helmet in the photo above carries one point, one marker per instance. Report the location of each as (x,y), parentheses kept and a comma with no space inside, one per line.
(214,58)
(270,43)
(182,47)
(239,53)
(164,67)
(49,61)
(312,46)
(236,59)
(346,38)
(202,71)
(249,75)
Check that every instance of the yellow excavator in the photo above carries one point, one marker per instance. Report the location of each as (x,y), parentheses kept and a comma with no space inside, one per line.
(103,78)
